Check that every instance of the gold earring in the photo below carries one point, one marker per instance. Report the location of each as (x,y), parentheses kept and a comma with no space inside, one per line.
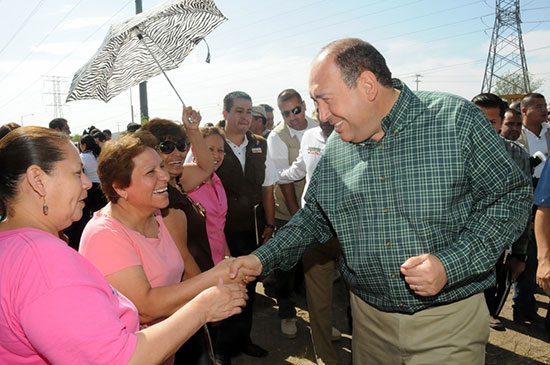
(44,206)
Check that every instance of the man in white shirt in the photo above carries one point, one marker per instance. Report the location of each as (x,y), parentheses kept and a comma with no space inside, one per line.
(320,260)
(283,145)
(535,136)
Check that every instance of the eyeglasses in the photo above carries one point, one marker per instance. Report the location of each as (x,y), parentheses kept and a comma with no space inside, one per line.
(296,110)
(168,146)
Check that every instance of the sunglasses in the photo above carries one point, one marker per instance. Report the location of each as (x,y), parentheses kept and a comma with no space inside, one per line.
(296,110)
(168,146)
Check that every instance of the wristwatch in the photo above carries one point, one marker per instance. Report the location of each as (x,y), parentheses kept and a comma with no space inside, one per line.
(272,226)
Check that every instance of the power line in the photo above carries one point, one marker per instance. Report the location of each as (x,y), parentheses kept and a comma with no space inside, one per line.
(41,41)
(68,55)
(34,10)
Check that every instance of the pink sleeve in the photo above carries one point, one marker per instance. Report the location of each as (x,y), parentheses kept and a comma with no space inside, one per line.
(76,324)
(108,247)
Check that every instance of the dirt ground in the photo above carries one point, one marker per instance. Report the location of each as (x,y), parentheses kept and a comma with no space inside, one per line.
(519,344)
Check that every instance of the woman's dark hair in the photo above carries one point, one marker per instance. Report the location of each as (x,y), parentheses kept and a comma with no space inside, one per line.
(90,145)
(164,129)
(22,148)
(115,164)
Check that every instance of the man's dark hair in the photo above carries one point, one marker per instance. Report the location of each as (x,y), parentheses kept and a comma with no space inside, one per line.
(354,56)
(58,123)
(107,133)
(132,127)
(288,94)
(488,100)
(229,99)
(529,99)
(267,108)
(516,105)
(99,135)
(513,111)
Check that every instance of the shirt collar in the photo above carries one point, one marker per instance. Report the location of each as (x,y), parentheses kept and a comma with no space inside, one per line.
(243,145)
(404,111)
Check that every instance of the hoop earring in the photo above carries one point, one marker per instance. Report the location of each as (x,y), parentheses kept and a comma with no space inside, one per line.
(44,206)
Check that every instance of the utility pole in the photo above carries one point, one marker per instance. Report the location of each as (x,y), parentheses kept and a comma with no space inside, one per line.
(506,52)
(418,76)
(143,86)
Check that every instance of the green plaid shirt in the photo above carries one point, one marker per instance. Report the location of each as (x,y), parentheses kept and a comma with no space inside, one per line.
(439,181)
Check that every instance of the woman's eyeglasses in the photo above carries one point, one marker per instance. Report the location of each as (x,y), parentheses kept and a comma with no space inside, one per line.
(168,146)
(296,110)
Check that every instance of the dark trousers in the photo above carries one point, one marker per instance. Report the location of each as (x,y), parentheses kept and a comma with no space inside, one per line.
(526,283)
(496,295)
(234,332)
(285,284)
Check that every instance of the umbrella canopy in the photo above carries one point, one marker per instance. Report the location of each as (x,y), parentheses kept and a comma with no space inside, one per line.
(144,46)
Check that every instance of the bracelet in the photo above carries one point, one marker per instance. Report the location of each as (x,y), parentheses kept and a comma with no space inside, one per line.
(272,226)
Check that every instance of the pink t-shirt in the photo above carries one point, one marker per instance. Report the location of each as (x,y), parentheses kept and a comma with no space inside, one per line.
(111,247)
(213,199)
(56,307)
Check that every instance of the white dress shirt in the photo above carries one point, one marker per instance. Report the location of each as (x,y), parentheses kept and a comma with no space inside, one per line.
(312,148)
(536,143)
(240,151)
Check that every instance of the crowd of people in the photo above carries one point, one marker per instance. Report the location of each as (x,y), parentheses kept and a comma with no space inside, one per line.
(146,248)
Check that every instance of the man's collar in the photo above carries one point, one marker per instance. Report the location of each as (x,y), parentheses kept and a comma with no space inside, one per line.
(399,115)
(242,145)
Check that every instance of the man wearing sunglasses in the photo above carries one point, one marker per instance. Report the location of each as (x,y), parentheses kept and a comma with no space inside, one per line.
(423,198)
(283,146)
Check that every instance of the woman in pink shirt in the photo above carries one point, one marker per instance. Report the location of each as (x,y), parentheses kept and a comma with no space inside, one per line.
(128,241)
(56,307)
(211,195)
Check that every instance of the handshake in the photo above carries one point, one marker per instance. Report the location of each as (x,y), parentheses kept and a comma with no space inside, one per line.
(242,269)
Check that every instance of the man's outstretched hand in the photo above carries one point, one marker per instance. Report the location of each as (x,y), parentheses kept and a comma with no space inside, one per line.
(248,266)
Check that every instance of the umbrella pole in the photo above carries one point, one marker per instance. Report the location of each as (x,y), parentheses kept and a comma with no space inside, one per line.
(140,37)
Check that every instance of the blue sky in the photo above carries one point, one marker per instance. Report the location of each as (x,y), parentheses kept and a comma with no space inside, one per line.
(264,47)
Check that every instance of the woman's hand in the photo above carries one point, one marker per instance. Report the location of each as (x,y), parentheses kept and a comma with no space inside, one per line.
(221,271)
(221,301)
(191,118)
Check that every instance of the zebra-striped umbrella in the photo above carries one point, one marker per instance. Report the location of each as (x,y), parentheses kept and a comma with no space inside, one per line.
(144,46)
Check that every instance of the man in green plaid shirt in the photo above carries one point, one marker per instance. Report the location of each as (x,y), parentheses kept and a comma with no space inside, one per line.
(422,197)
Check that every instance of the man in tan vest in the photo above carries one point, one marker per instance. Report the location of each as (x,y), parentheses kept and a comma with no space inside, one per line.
(283,146)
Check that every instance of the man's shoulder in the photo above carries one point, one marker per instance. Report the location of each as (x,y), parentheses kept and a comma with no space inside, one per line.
(514,145)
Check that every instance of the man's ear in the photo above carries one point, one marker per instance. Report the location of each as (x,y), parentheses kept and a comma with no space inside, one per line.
(369,84)
(36,178)
(224,113)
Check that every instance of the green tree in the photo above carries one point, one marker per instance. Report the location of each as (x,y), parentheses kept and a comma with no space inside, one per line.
(75,137)
(512,83)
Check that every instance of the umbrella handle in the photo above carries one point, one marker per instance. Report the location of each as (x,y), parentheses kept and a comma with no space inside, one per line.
(140,37)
